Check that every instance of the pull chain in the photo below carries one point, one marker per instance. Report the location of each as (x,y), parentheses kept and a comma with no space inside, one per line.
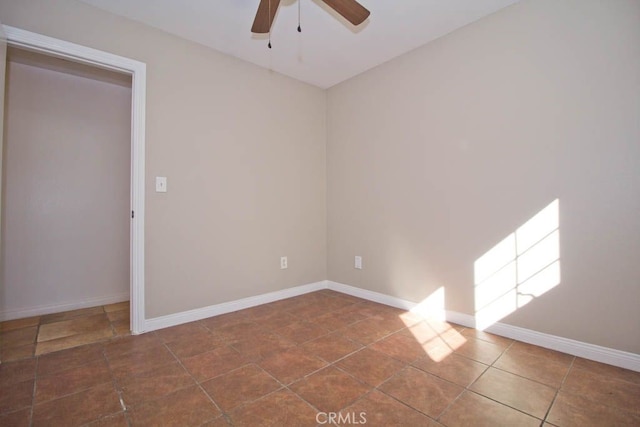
(299,29)
(270,22)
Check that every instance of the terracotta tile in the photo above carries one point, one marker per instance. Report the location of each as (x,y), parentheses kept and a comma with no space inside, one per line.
(71,381)
(17,353)
(330,389)
(474,410)
(262,346)
(18,337)
(332,347)
(281,408)
(333,304)
(368,330)
(239,331)
(423,392)
(75,326)
(114,420)
(213,363)
(422,332)
(486,336)
(340,318)
(308,311)
(181,331)
(520,393)
(607,370)
(373,309)
(217,422)
(549,372)
(16,419)
(301,332)
(534,350)
(118,315)
(187,407)
(259,311)
(457,369)
(79,408)
(400,347)
(67,315)
(480,351)
(68,359)
(378,409)
(119,306)
(16,396)
(603,389)
(217,322)
(291,364)
(154,384)
(122,327)
(276,320)
(455,339)
(137,362)
(74,341)
(129,344)
(370,366)
(442,326)
(317,298)
(573,410)
(240,386)
(193,344)
(10,325)
(410,318)
(18,371)
(435,345)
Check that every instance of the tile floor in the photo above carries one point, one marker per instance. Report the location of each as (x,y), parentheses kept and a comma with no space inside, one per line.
(38,335)
(295,362)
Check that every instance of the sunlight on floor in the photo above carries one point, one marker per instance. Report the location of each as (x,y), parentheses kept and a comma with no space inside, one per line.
(426,322)
(523,266)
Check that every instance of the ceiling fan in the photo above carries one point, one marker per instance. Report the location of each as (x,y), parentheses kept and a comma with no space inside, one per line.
(351,10)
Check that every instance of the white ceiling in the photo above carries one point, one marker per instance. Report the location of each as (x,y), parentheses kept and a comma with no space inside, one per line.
(328,51)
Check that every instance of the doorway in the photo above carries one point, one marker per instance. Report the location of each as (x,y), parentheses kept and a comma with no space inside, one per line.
(136,71)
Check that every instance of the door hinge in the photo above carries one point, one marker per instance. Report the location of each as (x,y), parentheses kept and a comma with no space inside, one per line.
(133,214)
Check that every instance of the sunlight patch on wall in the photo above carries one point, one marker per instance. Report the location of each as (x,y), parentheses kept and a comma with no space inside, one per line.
(432,307)
(523,266)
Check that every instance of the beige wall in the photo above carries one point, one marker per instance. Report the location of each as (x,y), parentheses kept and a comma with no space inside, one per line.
(244,152)
(67,171)
(438,155)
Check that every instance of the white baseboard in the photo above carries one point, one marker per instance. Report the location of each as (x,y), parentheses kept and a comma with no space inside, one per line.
(41,310)
(588,351)
(598,353)
(228,307)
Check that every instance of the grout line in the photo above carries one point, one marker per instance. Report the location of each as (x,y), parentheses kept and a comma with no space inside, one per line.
(555,396)
(116,386)
(198,384)
(33,396)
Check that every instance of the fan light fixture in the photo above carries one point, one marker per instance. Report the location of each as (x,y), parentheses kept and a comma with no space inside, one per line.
(350,10)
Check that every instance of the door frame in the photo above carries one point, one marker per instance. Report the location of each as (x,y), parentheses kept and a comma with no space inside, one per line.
(138,71)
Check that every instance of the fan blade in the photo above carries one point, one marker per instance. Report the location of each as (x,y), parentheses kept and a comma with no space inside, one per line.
(351,10)
(264,17)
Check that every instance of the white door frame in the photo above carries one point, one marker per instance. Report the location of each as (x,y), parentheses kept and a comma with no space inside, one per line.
(138,71)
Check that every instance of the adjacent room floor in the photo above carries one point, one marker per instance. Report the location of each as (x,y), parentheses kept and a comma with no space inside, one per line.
(305,361)
(38,335)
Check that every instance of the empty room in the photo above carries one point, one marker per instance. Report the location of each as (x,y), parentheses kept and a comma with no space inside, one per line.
(320,212)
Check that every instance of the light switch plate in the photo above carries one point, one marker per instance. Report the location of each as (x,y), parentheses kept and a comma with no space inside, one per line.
(161,184)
